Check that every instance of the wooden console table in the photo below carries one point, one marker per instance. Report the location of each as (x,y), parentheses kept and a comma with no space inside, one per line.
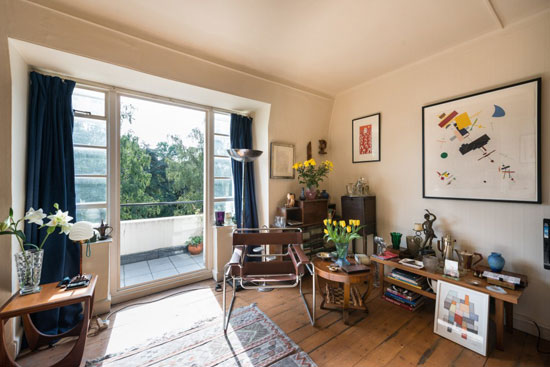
(504,303)
(50,297)
(348,280)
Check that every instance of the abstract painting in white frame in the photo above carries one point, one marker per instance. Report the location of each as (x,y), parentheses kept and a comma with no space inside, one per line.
(485,146)
(462,315)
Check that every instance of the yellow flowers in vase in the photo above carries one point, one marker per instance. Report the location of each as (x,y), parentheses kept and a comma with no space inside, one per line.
(341,233)
(311,174)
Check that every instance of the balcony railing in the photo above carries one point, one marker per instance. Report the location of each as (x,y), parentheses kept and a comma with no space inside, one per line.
(144,235)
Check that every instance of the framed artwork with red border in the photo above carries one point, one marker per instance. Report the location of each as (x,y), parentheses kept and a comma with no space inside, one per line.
(366,139)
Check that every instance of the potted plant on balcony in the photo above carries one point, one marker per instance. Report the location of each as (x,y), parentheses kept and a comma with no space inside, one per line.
(194,245)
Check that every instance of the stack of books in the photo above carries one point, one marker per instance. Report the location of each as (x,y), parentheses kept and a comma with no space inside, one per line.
(414,280)
(403,298)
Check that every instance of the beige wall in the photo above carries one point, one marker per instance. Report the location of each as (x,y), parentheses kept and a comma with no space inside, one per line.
(295,116)
(19,93)
(518,53)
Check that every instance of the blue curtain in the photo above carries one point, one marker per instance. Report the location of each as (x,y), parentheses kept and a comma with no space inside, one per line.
(50,179)
(241,138)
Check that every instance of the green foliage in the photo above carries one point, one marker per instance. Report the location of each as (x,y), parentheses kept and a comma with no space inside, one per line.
(169,172)
(185,172)
(340,232)
(194,241)
(135,178)
(311,174)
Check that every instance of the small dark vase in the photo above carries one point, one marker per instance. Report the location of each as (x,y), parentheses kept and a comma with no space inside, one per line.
(302,195)
(324,194)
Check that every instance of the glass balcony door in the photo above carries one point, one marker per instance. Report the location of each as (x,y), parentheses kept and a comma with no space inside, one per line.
(162,190)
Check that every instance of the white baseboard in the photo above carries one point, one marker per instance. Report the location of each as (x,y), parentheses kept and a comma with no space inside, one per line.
(18,337)
(525,324)
(217,275)
(102,306)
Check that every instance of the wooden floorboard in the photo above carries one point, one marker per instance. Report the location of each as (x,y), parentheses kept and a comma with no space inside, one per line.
(386,336)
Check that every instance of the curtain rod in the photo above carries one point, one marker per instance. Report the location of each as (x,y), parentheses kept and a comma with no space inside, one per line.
(130,91)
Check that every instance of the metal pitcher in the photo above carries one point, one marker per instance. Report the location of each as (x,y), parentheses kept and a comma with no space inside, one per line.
(446,246)
(465,259)
(104,230)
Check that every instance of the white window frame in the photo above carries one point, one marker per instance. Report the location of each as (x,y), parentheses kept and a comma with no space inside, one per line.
(232,197)
(112,116)
(107,175)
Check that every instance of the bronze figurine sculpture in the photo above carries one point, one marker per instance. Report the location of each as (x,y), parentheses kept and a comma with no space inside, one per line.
(428,230)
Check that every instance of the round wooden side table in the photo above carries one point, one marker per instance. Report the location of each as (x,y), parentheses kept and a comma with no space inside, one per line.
(338,298)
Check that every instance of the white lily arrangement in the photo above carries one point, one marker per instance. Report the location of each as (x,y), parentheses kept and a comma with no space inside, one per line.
(60,219)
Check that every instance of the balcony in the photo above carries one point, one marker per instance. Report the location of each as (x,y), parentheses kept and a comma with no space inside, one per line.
(155,248)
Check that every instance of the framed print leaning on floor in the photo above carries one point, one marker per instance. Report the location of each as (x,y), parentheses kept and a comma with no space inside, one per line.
(485,146)
(462,315)
(366,139)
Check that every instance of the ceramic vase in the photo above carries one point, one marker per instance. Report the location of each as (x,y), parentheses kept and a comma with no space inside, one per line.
(496,262)
(302,195)
(413,245)
(29,269)
(311,193)
(342,253)
(324,194)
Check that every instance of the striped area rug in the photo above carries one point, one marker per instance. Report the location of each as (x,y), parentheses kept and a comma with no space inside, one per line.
(252,340)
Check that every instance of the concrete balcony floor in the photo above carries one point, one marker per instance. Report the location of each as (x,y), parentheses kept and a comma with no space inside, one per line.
(145,271)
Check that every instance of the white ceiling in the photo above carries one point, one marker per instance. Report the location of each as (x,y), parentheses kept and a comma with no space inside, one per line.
(326,46)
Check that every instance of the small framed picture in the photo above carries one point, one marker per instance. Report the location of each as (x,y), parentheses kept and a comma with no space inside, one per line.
(366,139)
(282,159)
(462,316)
(451,269)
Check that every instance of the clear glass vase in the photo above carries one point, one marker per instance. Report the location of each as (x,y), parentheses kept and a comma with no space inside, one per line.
(342,252)
(29,269)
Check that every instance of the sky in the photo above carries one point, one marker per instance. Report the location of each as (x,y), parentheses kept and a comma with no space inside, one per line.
(154,121)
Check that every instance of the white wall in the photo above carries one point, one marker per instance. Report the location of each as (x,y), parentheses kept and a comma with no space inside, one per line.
(295,116)
(20,96)
(518,53)
(142,235)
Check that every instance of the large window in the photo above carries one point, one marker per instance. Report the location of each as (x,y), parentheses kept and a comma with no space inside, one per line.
(90,154)
(162,172)
(223,177)
(161,159)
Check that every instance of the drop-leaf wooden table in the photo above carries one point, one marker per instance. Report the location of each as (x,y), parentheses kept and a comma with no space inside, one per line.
(50,297)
